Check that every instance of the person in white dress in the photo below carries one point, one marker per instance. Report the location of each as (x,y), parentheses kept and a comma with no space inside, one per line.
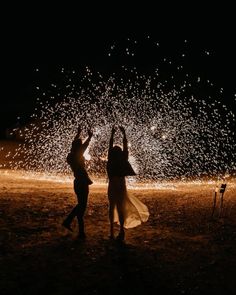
(126,210)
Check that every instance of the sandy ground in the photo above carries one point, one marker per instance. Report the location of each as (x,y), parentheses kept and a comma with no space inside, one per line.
(180,250)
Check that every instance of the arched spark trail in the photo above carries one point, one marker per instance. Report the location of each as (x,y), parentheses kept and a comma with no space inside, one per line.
(171,134)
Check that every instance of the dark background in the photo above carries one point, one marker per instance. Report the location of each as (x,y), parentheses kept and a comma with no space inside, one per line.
(44,39)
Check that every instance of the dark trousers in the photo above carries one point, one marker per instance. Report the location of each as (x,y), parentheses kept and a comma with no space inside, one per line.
(81,189)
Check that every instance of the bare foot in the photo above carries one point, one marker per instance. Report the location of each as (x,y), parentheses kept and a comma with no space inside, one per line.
(121,236)
(111,237)
(67,226)
(81,236)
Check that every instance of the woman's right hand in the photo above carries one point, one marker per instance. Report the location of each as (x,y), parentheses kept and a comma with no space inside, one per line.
(113,130)
(90,133)
(79,130)
(122,129)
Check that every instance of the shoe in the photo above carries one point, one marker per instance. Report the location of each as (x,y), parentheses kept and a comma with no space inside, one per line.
(81,236)
(120,237)
(111,237)
(67,226)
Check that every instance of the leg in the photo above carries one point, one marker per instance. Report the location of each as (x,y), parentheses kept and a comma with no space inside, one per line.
(67,222)
(111,217)
(81,190)
(120,210)
(80,216)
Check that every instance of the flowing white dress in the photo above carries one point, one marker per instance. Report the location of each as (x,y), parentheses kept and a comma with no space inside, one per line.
(133,210)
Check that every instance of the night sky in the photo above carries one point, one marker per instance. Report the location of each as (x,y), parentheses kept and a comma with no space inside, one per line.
(50,43)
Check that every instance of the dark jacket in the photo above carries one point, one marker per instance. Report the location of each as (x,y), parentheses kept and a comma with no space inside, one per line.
(76,160)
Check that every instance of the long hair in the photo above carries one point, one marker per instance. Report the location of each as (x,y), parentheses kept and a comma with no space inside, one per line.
(117,164)
(76,144)
(116,154)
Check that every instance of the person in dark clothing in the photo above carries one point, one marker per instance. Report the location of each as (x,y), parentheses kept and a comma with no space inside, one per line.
(82,181)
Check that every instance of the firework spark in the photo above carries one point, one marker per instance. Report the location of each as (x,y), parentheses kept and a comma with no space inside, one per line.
(171,133)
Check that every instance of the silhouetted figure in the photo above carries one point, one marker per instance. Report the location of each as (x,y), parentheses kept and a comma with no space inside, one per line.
(82,181)
(126,210)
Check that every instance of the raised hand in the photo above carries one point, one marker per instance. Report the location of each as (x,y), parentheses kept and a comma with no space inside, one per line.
(122,129)
(113,130)
(79,130)
(90,133)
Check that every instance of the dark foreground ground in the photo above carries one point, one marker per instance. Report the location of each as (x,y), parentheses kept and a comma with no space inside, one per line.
(180,250)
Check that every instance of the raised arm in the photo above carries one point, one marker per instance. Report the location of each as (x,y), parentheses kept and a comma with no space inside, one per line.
(78,134)
(111,140)
(87,141)
(125,143)
(77,140)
